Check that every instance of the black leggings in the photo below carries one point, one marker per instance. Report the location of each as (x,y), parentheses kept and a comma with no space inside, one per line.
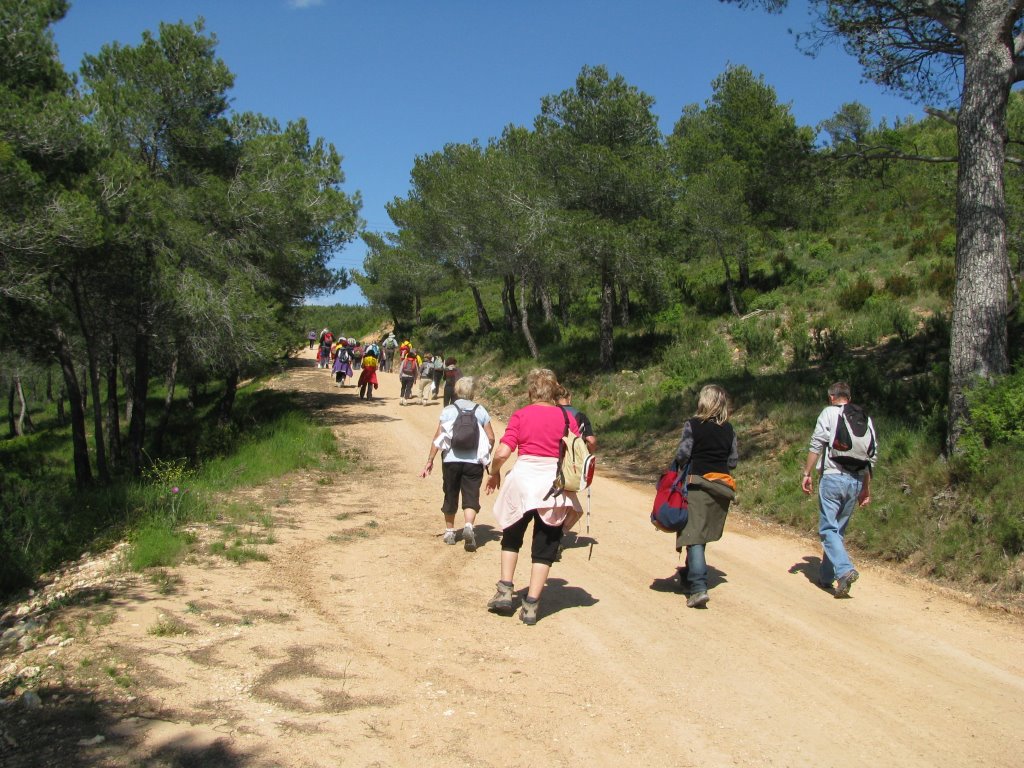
(546,538)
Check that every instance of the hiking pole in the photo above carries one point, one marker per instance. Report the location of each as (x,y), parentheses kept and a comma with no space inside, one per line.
(590,552)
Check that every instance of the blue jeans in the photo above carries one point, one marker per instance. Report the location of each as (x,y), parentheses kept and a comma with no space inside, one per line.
(837,496)
(696,568)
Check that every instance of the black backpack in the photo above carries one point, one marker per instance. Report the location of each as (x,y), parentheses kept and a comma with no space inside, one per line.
(853,445)
(466,431)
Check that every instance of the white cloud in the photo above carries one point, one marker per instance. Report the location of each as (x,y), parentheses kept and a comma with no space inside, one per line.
(301,4)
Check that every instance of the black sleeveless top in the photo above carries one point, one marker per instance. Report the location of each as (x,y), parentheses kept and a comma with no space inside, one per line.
(712,446)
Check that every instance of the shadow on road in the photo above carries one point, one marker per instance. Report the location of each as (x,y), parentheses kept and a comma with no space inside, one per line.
(558,596)
(676,583)
(76,727)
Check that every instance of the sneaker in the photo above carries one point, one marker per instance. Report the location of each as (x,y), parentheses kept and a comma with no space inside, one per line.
(449,537)
(502,601)
(845,581)
(528,613)
(697,600)
(469,538)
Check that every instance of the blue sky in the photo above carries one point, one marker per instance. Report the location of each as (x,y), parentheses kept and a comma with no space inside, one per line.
(387,80)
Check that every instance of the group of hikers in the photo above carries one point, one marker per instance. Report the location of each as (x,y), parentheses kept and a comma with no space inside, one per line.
(432,376)
(843,450)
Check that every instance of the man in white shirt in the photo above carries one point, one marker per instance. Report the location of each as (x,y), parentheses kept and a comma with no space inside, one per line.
(843,485)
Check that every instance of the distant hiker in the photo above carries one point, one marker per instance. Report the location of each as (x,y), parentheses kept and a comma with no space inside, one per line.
(312,339)
(564,399)
(465,437)
(408,372)
(528,493)
(323,355)
(425,378)
(342,365)
(437,376)
(451,375)
(368,377)
(404,349)
(845,470)
(357,353)
(707,452)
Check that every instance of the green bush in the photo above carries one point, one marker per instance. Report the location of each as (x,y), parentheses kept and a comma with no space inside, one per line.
(899,284)
(798,336)
(997,418)
(700,354)
(852,297)
(941,277)
(757,337)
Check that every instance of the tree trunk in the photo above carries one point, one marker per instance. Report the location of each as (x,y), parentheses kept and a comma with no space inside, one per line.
(524,320)
(484,325)
(623,303)
(227,400)
(61,416)
(417,305)
(744,267)
(140,391)
(978,334)
(49,384)
(546,304)
(729,289)
(24,424)
(563,304)
(508,302)
(128,377)
(607,342)
(12,424)
(165,415)
(93,366)
(79,441)
(113,408)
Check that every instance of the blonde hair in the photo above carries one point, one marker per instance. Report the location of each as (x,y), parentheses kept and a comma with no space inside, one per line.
(464,388)
(712,404)
(542,385)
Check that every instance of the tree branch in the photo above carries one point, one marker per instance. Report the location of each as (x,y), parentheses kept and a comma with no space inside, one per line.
(942,114)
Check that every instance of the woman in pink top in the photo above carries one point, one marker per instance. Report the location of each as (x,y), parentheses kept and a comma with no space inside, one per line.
(536,432)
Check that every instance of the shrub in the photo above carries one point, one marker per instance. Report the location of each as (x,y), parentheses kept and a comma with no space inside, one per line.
(798,336)
(997,418)
(853,296)
(757,337)
(900,284)
(941,277)
(699,355)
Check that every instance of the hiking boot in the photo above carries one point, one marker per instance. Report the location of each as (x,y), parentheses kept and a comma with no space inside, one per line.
(449,537)
(502,602)
(469,538)
(697,599)
(845,581)
(528,613)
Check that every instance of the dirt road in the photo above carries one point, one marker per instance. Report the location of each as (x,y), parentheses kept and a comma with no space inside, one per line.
(364,641)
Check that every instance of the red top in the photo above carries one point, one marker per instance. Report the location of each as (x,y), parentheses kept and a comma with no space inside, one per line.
(537,429)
